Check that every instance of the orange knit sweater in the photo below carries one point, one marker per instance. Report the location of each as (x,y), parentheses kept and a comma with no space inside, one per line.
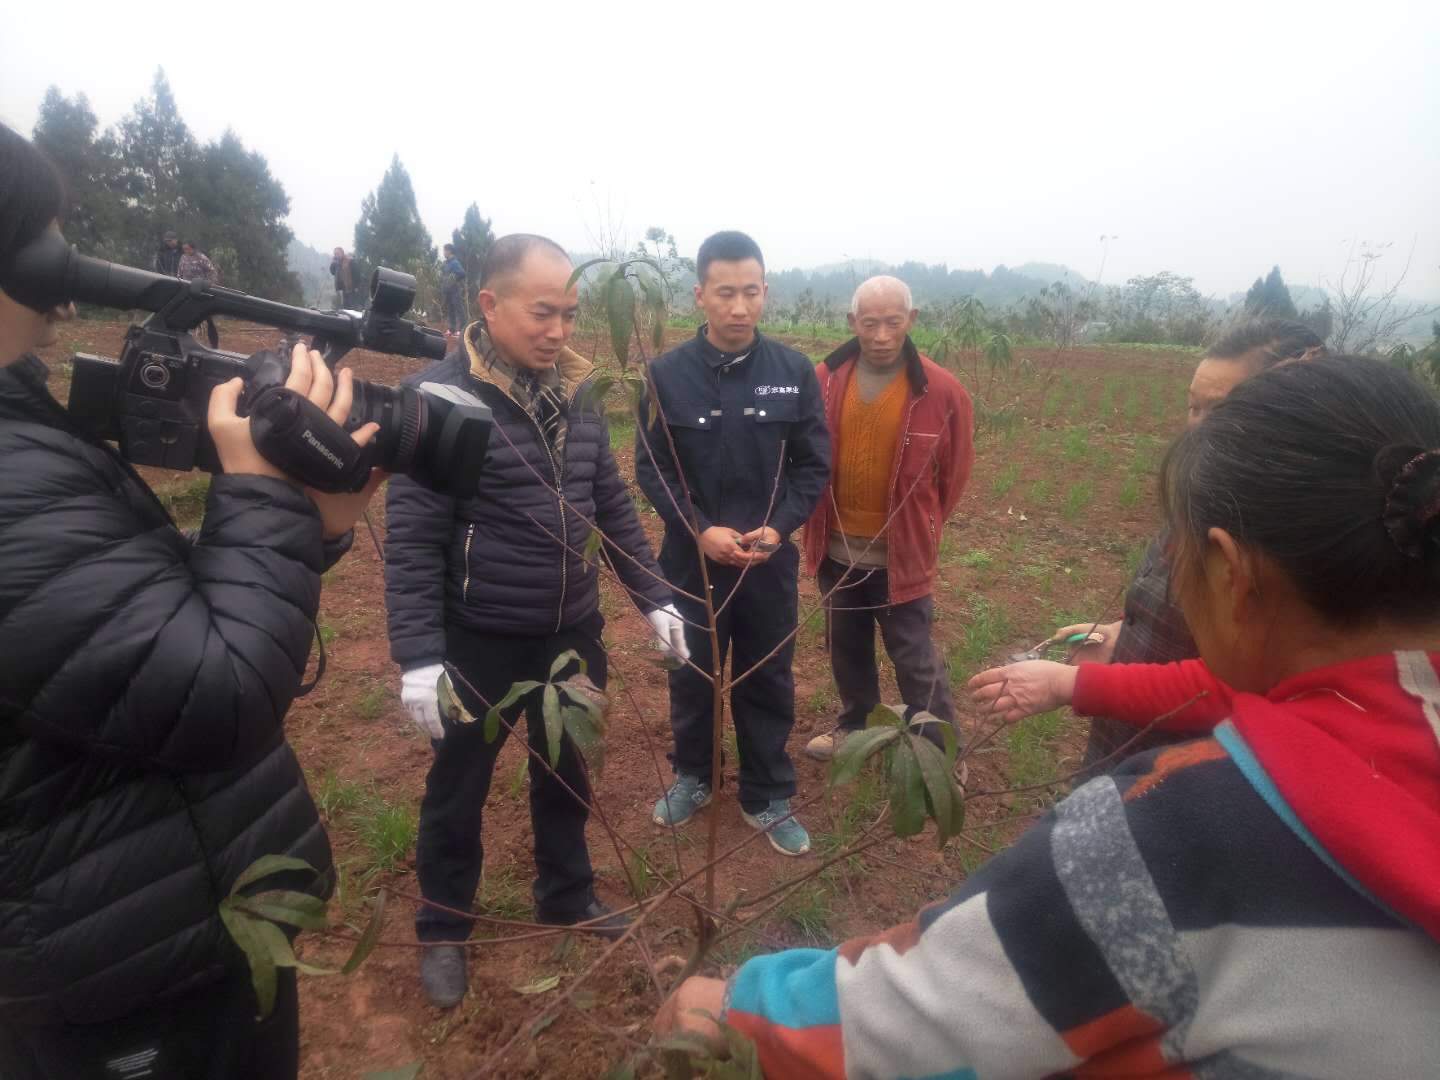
(869,438)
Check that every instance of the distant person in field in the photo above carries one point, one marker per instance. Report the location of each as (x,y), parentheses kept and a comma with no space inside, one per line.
(167,256)
(452,283)
(195,265)
(751,457)
(901,432)
(347,286)
(497,585)
(1153,629)
(1262,901)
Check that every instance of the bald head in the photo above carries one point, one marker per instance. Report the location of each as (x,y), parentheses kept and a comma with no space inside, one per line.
(508,256)
(882,314)
(881,290)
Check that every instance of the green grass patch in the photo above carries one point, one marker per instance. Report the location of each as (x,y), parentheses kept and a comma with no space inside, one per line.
(503,895)
(372,703)
(1005,478)
(622,432)
(808,911)
(1078,498)
(1075,446)
(1033,753)
(987,629)
(1129,491)
(1039,491)
(388,833)
(977,560)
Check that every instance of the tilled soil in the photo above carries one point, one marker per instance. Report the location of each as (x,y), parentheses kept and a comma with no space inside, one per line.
(1024,551)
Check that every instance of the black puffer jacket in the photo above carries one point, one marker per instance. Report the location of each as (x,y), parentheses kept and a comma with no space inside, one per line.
(143,681)
(507,560)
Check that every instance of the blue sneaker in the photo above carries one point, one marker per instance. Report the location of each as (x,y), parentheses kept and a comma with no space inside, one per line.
(678,805)
(788,837)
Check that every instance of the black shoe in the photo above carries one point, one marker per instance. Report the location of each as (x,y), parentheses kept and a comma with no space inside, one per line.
(442,973)
(611,928)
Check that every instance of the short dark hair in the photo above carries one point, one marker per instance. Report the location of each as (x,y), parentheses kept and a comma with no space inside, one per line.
(507,253)
(1268,342)
(449,247)
(1342,492)
(32,194)
(729,246)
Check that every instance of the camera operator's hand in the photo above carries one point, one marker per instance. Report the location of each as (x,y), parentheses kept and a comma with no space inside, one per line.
(310,376)
(420,694)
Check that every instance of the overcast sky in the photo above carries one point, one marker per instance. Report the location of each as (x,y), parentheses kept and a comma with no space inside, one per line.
(1213,139)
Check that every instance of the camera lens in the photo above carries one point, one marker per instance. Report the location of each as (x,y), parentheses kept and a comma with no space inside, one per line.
(437,433)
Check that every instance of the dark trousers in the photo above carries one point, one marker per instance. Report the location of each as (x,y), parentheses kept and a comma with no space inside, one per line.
(454,310)
(208,1034)
(757,618)
(448,852)
(859,604)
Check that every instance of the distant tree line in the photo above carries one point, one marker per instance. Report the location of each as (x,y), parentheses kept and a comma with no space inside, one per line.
(130,184)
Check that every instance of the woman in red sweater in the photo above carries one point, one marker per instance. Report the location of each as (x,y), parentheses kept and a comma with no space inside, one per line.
(1263,900)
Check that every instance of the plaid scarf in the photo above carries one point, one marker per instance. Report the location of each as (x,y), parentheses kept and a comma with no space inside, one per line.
(539,393)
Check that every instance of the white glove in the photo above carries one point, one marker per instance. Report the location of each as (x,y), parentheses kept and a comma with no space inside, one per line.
(420,694)
(669,632)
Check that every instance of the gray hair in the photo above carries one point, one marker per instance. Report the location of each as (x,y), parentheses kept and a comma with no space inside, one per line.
(882,283)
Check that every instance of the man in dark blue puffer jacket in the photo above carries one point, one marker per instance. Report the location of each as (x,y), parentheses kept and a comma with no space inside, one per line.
(497,585)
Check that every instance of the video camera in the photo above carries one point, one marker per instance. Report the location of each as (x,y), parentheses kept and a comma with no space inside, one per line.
(153,400)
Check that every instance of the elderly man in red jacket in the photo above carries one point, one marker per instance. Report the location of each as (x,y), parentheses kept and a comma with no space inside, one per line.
(902,431)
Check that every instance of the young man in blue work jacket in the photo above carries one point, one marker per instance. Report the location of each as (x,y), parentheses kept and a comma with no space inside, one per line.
(750,457)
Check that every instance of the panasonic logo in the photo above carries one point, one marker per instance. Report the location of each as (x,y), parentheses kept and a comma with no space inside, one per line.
(325,452)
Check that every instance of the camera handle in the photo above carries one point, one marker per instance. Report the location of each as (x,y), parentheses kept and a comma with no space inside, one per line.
(299,438)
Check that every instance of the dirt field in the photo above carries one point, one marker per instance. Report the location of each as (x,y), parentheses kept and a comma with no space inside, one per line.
(1056,515)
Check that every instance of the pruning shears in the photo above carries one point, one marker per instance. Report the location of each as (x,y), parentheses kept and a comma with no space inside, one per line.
(1071,641)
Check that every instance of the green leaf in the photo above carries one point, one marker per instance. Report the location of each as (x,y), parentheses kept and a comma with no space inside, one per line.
(400,1072)
(593,544)
(907,792)
(514,694)
(939,786)
(539,986)
(368,939)
(554,723)
(281,953)
(544,1022)
(580,728)
(744,1058)
(856,750)
(569,656)
(592,395)
(579,270)
(518,780)
(620,313)
(296,909)
(262,968)
(266,865)
(624,1070)
(884,716)
(957,809)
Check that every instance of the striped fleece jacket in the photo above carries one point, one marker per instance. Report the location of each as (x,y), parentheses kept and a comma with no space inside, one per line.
(1259,903)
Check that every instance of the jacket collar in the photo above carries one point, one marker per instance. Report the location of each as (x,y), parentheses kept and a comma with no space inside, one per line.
(23,391)
(914,369)
(718,358)
(572,368)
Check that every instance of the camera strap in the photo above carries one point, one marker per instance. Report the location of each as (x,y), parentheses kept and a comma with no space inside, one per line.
(299,438)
